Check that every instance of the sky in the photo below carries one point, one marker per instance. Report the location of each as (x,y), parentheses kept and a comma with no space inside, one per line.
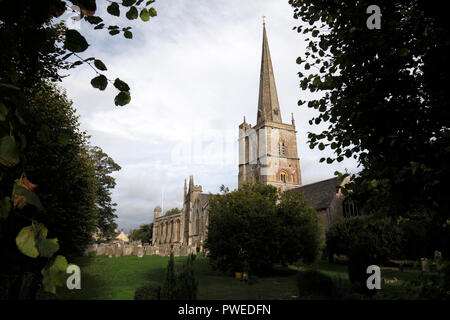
(194,74)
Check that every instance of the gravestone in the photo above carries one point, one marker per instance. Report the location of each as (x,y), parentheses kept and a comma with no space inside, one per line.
(140,251)
(101,249)
(425,265)
(118,250)
(438,260)
(127,250)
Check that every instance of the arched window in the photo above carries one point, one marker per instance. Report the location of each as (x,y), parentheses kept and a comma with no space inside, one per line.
(349,208)
(281,149)
(283,176)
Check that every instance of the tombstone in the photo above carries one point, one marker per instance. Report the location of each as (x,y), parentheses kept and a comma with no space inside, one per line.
(118,250)
(425,265)
(438,260)
(127,250)
(140,251)
(101,249)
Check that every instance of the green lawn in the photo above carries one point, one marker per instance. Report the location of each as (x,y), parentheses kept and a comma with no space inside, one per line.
(117,278)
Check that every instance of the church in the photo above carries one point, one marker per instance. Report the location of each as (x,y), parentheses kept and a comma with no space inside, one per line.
(267,154)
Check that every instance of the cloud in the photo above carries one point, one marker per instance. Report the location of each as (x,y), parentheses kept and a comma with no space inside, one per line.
(194,74)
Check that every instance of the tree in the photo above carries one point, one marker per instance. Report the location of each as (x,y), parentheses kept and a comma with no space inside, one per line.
(384,94)
(248,228)
(104,166)
(144,233)
(173,211)
(35,48)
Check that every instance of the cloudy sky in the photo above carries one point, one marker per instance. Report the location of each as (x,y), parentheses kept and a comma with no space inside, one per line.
(194,73)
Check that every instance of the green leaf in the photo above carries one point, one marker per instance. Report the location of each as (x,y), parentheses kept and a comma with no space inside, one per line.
(122,98)
(152,12)
(122,86)
(132,13)
(100,65)
(93,19)
(26,242)
(315,33)
(114,32)
(5,207)
(48,247)
(128,35)
(74,41)
(307,66)
(54,274)
(128,3)
(9,153)
(100,26)
(100,82)
(3,112)
(113,9)
(26,197)
(321,146)
(149,2)
(145,16)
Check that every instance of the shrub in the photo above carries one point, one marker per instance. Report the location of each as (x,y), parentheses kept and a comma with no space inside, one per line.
(168,288)
(366,241)
(180,286)
(314,284)
(150,291)
(186,283)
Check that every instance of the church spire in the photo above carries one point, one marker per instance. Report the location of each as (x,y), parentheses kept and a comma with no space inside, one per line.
(268,107)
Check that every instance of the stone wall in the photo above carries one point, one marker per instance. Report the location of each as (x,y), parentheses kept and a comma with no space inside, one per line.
(117,249)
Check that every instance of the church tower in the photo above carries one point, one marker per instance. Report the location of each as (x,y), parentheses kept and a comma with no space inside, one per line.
(268,150)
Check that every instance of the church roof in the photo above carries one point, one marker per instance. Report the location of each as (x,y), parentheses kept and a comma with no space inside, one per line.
(320,194)
(268,106)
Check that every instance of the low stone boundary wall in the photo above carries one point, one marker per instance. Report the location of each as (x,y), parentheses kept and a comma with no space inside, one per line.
(118,249)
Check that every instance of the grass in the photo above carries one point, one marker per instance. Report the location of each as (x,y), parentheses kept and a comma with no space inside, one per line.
(104,278)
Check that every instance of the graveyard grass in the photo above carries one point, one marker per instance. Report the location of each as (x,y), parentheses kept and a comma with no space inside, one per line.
(104,278)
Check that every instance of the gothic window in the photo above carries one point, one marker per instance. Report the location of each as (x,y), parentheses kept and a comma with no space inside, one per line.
(283,176)
(275,111)
(281,149)
(349,208)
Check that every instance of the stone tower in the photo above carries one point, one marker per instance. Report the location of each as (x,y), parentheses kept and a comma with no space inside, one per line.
(268,150)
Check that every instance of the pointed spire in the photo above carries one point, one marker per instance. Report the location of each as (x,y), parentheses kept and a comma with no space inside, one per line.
(268,107)
(185,191)
(293,121)
(191,183)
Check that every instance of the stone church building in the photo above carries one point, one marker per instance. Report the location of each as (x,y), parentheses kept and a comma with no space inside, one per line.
(268,154)
(184,232)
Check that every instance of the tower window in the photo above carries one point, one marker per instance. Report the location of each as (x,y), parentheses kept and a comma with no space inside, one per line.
(281,149)
(283,176)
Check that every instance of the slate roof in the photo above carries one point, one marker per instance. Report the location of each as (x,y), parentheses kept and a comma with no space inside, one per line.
(319,194)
